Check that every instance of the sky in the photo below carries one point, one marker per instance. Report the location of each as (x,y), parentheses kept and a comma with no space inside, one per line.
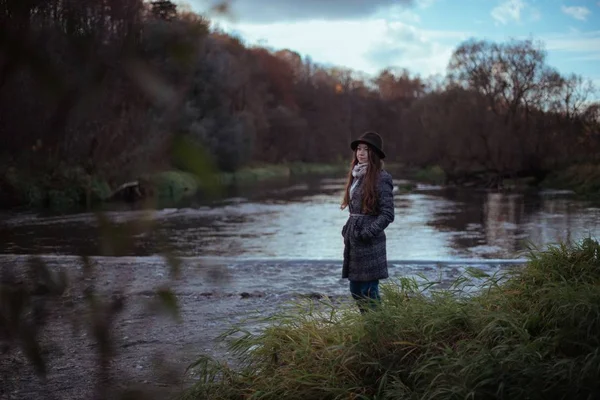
(420,35)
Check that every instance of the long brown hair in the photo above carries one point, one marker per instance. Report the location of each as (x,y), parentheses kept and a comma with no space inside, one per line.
(369,189)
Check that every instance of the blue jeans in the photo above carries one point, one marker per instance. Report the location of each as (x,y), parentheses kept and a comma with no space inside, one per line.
(366,294)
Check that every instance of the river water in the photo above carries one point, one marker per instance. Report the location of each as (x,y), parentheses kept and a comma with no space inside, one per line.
(301,219)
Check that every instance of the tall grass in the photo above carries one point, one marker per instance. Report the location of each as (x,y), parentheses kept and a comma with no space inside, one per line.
(532,333)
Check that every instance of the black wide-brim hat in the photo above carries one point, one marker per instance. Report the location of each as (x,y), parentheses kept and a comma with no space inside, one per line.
(373,140)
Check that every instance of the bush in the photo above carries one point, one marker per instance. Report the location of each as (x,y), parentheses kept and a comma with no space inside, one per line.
(584,179)
(65,187)
(530,333)
(434,175)
(175,185)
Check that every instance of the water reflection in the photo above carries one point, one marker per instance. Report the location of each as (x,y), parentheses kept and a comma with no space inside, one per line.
(492,224)
(561,219)
(502,215)
(301,219)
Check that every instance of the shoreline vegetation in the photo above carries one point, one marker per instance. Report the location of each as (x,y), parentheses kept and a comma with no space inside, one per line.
(77,190)
(530,333)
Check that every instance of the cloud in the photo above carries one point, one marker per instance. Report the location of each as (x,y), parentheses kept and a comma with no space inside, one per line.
(577,51)
(367,45)
(399,13)
(429,3)
(589,57)
(412,50)
(580,13)
(326,42)
(509,10)
(536,14)
(587,43)
(265,11)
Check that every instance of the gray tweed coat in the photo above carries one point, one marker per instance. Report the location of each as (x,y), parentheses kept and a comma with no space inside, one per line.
(365,256)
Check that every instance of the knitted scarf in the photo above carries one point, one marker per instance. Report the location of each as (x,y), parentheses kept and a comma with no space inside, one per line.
(358,171)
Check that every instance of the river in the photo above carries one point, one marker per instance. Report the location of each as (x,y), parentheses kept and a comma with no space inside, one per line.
(301,219)
(265,244)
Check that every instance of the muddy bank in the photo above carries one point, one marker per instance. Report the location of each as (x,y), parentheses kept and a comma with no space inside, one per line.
(152,350)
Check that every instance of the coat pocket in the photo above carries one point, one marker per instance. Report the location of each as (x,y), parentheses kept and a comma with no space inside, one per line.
(359,232)
(356,231)
(345,229)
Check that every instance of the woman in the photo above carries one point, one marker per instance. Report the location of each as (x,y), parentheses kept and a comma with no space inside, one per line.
(370,201)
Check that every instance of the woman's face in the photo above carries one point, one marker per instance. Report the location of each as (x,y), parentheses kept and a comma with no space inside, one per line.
(362,153)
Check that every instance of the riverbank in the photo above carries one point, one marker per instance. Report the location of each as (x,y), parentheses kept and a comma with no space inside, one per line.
(531,334)
(73,188)
(582,179)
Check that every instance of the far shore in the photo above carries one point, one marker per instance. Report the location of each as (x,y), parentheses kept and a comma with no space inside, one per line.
(169,187)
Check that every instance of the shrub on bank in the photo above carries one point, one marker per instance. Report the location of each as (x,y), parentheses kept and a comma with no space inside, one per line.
(584,179)
(532,333)
(433,174)
(174,185)
(72,187)
(279,171)
(65,187)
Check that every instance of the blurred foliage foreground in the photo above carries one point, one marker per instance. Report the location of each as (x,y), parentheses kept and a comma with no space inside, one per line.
(529,334)
(38,304)
(34,295)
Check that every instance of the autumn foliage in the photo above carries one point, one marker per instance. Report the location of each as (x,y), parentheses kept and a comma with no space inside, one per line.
(97,88)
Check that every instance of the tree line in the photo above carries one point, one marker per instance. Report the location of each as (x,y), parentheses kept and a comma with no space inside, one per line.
(102,87)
